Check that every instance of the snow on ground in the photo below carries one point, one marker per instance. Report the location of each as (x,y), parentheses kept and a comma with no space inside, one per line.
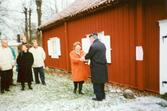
(58,96)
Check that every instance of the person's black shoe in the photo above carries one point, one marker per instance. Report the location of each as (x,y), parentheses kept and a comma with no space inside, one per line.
(7,90)
(22,89)
(95,99)
(30,88)
(104,97)
(43,83)
(2,91)
(81,93)
(37,82)
(13,84)
(74,91)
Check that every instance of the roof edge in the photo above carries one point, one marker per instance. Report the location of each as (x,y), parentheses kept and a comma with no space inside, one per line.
(83,13)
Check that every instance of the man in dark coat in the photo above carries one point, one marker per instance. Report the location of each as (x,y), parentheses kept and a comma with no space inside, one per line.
(25,61)
(98,65)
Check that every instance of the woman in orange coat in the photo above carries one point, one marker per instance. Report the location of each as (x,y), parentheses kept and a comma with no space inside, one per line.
(79,68)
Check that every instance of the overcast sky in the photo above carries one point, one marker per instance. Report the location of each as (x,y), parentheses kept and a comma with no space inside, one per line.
(15,18)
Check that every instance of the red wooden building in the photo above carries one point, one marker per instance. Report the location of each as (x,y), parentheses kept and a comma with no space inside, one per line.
(129,23)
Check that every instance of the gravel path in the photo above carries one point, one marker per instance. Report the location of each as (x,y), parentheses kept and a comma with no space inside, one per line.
(57,95)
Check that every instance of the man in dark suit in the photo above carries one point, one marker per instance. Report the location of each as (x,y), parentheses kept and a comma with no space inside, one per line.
(98,65)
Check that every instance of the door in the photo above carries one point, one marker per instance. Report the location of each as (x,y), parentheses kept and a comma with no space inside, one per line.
(163,56)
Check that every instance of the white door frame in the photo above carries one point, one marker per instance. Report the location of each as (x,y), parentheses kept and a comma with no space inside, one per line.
(163,57)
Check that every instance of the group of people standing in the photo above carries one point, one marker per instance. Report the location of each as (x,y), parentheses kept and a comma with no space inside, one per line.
(98,66)
(28,57)
(34,56)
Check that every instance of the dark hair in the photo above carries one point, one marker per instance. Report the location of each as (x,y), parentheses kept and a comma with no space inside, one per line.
(94,35)
(25,45)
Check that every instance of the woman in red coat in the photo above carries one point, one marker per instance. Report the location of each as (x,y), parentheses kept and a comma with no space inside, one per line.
(79,69)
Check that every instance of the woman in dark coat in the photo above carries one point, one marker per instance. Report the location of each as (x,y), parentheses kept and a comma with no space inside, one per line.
(25,60)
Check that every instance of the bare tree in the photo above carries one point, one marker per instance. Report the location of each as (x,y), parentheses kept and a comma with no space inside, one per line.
(30,24)
(26,21)
(12,19)
(28,7)
(49,8)
(39,15)
(3,14)
(3,11)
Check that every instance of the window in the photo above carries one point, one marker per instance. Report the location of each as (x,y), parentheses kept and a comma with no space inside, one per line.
(104,39)
(54,49)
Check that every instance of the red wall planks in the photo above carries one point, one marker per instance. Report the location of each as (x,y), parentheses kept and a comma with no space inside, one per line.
(129,24)
(154,11)
(59,32)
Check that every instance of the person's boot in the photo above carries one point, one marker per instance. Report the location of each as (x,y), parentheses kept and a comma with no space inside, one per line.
(44,83)
(80,88)
(7,89)
(95,99)
(13,84)
(104,96)
(29,86)
(22,86)
(75,87)
(80,92)
(37,82)
(2,91)
(75,91)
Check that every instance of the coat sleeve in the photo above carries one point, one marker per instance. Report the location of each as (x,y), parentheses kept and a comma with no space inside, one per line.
(18,60)
(73,59)
(31,59)
(12,56)
(91,53)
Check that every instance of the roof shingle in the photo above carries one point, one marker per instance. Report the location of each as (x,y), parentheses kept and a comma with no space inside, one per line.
(75,8)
